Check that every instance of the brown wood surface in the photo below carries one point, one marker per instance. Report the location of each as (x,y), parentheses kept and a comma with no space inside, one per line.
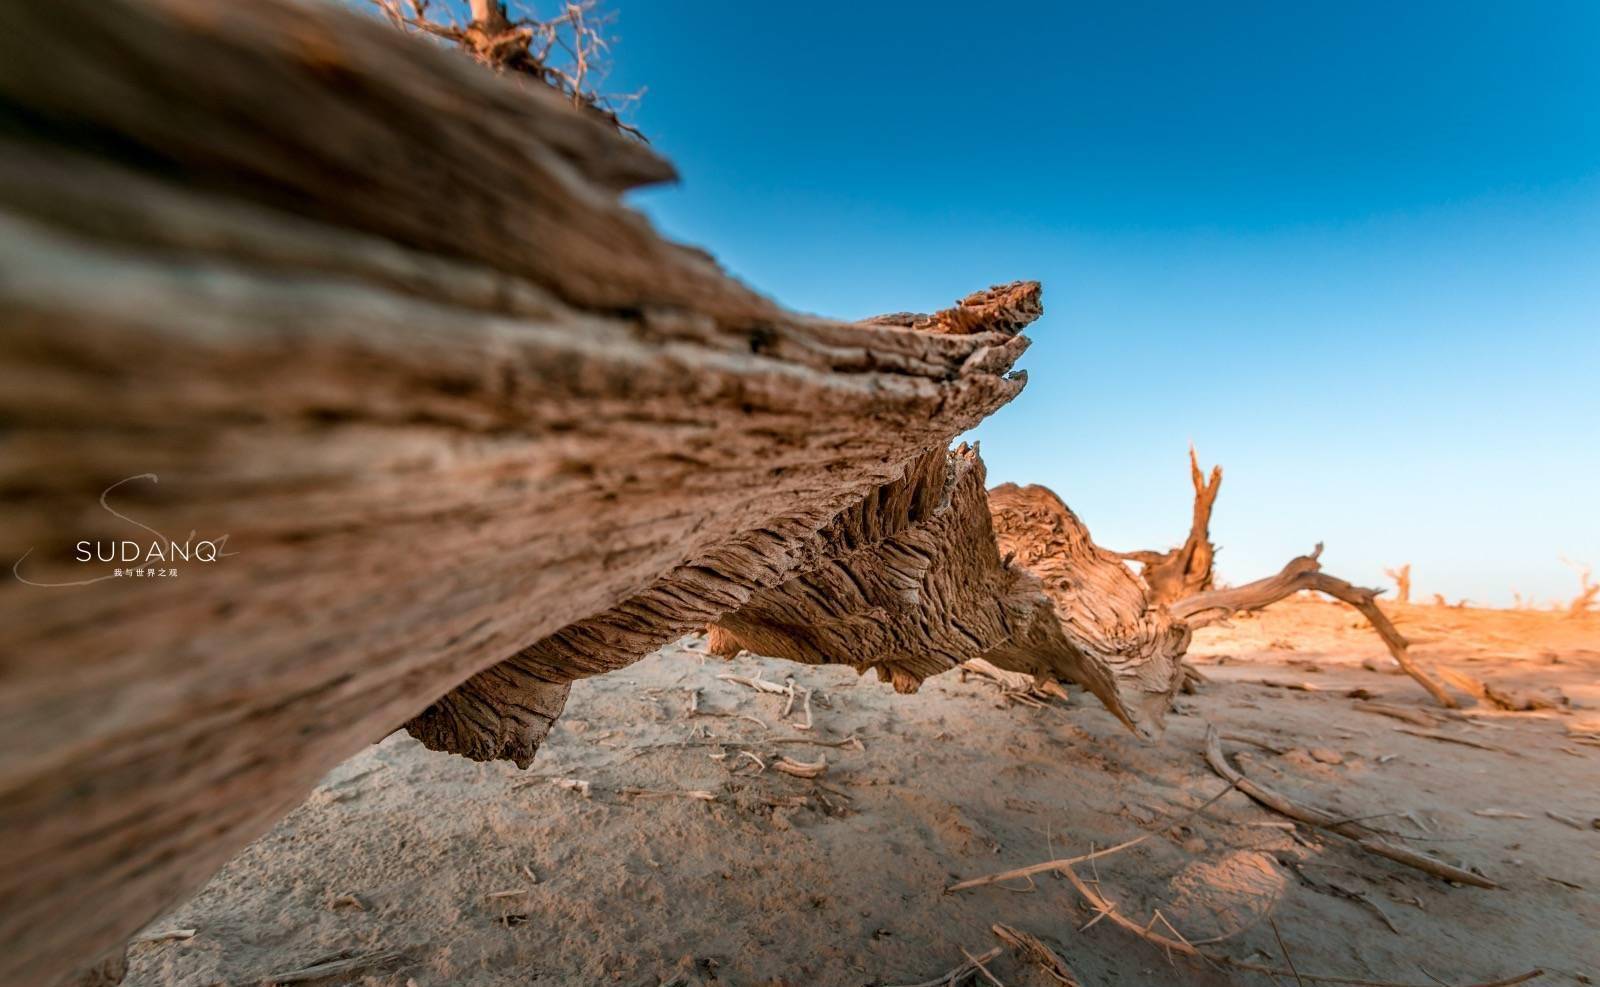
(380,317)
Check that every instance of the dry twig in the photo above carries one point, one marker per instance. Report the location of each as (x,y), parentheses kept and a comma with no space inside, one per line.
(1032,948)
(567,52)
(1431,735)
(758,683)
(960,973)
(698,794)
(1064,864)
(572,784)
(340,967)
(166,935)
(1108,909)
(1415,717)
(802,769)
(977,962)
(1353,831)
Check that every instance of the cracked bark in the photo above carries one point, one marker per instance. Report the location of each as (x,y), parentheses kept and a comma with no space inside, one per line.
(450,400)
(1010,576)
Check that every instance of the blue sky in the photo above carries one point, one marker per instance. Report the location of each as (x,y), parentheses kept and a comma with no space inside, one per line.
(1352,253)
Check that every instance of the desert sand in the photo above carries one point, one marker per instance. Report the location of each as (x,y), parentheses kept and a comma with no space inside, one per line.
(654,842)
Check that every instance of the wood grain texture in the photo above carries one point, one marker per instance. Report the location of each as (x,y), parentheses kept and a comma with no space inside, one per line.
(1009,576)
(380,318)
(505,711)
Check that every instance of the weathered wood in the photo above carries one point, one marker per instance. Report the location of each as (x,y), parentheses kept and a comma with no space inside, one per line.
(1304,572)
(1009,576)
(1131,648)
(379,317)
(1362,836)
(1402,582)
(1185,570)
(505,711)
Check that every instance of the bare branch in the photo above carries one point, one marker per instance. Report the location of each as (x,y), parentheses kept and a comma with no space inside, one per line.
(1584,601)
(1302,573)
(1187,569)
(1402,582)
(567,52)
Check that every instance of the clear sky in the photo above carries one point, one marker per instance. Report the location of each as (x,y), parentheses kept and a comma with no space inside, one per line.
(1351,251)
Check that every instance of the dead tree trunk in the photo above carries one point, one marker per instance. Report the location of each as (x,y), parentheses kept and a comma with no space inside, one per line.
(1402,582)
(443,393)
(1187,569)
(506,710)
(1584,601)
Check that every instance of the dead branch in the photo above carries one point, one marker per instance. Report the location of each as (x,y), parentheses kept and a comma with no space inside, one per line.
(567,52)
(959,975)
(802,769)
(1105,908)
(168,935)
(1058,866)
(340,967)
(1304,573)
(1447,738)
(1034,949)
(1585,600)
(696,794)
(1415,717)
(1353,831)
(1062,865)
(978,962)
(1018,686)
(757,683)
(573,785)
(1402,582)
(1187,569)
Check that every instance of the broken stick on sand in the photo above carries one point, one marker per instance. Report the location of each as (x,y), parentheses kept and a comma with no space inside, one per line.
(1362,837)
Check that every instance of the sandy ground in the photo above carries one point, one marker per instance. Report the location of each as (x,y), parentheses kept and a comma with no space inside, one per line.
(433,870)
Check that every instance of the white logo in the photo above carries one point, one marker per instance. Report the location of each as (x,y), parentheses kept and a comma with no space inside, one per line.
(156,557)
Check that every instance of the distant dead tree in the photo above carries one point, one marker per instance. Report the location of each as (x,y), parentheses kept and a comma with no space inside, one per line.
(567,52)
(1402,582)
(1587,588)
(1186,570)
